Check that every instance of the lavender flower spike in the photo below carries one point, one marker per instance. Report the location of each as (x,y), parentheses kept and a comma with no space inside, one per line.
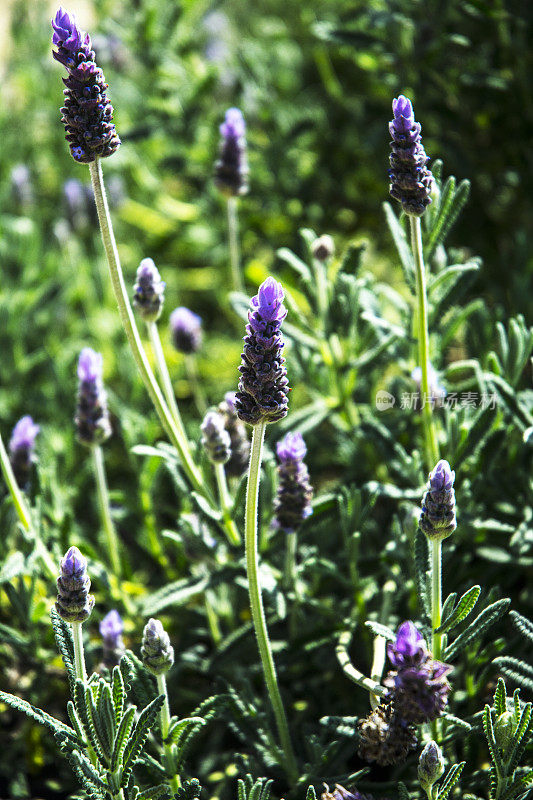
(239,444)
(74,603)
(231,169)
(215,438)
(411,180)
(430,765)
(22,449)
(156,650)
(263,386)
(293,501)
(87,114)
(111,628)
(438,520)
(92,417)
(186,329)
(149,291)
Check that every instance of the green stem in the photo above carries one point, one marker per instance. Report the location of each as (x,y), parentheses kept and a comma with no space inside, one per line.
(79,658)
(23,511)
(233,236)
(233,534)
(164,717)
(164,376)
(212,619)
(436,596)
(350,671)
(256,600)
(430,435)
(290,560)
(130,328)
(105,511)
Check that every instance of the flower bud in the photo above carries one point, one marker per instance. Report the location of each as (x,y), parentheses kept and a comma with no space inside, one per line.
(411,180)
(186,329)
(293,500)
(22,450)
(323,248)
(156,651)
(92,417)
(231,169)
(240,445)
(504,729)
(111,628)
(74,603)
(215,438)
(430,765)
(149,291)
(437,520)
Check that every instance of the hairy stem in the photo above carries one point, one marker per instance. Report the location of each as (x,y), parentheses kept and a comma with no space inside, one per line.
(233,236)
(430,434)
(105,510)
(164,717)
(23,511)
(232,532)
(350,671)
(130,328)
(290,559)
(256,599)
(436,596)
(164,376)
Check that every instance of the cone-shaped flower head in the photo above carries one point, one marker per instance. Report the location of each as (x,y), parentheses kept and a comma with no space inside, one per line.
(240,446)
(87,114)
(438,520)
(22,449)
(384,736)
(92,417)
(263,386)
(231,169)
(430,765)
(156,650)
(293,501)
(215,438)
(74,603)
(323,249)
(411,180)
(418,685)
(186,330)
(149,291)
(111,628)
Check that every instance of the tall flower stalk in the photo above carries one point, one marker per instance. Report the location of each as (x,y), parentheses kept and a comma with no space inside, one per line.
(263,398)
(231,178)
(411,183)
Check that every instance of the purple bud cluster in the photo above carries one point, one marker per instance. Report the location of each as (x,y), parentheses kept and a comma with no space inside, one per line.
(22,450)
(231,169)
(340,793)
(437,519)
(148,291)
(263,386)
(411,180)
(417,692)
(239,444)
(87,114)
(74,603)
(111,628)
(215,438)
(156,651)
(186,330)
(293,501)
(92,417)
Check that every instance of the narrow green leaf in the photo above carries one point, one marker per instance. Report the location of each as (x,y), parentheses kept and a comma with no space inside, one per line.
(381,630)
(121,739)
(500,698)
(174,594)
(516,670)
(450,780)
(146,721)
(179,728)
(448,606)
(524,625)
(491,740)
(462,610)
(119,694)
(519,740)
(488,617)
(311,793)
(65,645)
(402,245)
(53,724)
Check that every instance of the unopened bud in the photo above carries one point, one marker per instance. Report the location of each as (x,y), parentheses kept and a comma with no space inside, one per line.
(430,765)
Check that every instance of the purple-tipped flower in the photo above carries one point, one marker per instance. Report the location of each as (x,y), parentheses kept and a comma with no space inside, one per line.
(385,736)
(340,793)
(215,438)
(156,650)
(231,169)
(430,765)
(92,417)
(149,291)
(111,628)
(240,446)
(438,520)
(263,386)
(22,449)
(186,330)
(418,687)
(74,603)
(293,501)
(411,180)
(87,114)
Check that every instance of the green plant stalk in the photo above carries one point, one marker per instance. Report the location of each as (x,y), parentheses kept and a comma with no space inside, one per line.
(164,717)
(378,661)
(233,240)
(105,510)
(256,600)
(350,671)
(290,560)
(436,597)
(130,328)
(23,511)
(164,375)
(430,434)
(81,672)
(232,532)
